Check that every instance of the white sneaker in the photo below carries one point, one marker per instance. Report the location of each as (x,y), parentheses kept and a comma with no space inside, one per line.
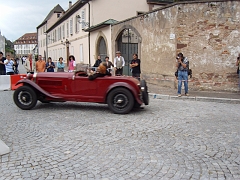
(179,95)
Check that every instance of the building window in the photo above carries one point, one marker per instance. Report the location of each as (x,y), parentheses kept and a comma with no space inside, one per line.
(63,31)
(55,37)
(71,26)
(64,54)
(67,29)
(58,15)
(72,50)
(77,24)
(81,53)
(83,19)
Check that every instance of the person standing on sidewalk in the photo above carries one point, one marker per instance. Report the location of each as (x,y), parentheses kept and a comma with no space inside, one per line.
(29,64)
(60,65)
(50,65)
(97,62)
(2,65)
(109,64)
(9,65)
(119,63)
(72,64)
(182,65)
(135,65)
(238,64)
(40,64)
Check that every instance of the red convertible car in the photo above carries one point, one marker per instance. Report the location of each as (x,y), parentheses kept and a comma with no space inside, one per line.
(121,93)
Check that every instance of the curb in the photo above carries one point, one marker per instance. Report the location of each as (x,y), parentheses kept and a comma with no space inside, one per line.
(194,98)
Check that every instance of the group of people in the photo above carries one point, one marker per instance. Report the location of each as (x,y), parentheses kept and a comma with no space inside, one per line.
(119,63)
(8,65)
(41,66)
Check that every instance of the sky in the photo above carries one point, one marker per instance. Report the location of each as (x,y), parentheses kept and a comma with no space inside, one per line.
(18,17)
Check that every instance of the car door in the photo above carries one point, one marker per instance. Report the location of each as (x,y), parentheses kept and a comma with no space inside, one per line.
(83,87)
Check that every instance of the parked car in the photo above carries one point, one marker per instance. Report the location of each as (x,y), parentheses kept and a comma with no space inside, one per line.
(121,93)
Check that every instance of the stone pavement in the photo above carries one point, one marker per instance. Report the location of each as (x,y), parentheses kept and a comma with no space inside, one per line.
(165,140)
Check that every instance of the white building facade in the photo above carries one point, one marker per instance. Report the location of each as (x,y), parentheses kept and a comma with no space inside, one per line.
(25,44)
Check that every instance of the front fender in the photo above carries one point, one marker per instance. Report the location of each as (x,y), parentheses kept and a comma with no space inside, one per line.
(126,85)
(35,86)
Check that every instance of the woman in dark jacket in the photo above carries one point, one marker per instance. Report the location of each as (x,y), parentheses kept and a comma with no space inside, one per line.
(101,72)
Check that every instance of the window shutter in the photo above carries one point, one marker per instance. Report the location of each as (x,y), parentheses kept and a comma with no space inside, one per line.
(71,26)
(83,19)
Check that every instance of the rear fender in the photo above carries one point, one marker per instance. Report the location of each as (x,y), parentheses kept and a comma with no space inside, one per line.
(126,85)
(35,86)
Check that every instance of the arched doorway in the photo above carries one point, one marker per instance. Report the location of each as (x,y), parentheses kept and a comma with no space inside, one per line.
(102,48)
(127,43)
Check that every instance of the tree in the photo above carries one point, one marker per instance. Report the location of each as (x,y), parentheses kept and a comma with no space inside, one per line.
(9,47)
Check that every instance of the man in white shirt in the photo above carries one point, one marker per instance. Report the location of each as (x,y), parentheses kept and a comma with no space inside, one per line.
(119,63)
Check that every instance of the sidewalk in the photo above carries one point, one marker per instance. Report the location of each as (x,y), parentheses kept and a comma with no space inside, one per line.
(210,96)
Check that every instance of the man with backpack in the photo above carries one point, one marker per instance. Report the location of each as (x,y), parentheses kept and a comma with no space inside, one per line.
(183,65)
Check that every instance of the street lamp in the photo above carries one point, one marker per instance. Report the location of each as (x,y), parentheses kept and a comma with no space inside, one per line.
(66,43)
(46,55)
(88,24)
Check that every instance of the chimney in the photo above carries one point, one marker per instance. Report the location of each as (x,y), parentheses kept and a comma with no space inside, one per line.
(70,4)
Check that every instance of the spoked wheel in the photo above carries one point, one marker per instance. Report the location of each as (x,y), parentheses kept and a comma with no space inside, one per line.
(25,97)
(120,101)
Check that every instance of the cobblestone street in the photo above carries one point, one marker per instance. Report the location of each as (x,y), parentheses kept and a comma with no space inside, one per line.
(169,139)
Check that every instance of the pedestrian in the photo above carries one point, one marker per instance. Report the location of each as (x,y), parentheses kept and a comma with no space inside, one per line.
(119,63)
(97,63)
(2,65)
(9,65)
(15,66)
(109,64)
(135,67)
(182,66)
(24,59)
(72,63)
(238,65)
(30,64)
(40,64)
(60,65)
(50,65)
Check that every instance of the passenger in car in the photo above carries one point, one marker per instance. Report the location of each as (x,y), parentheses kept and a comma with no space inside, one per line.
(101,72)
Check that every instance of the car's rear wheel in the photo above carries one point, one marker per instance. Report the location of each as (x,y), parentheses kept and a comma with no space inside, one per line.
(120,101)
(144,90)
(25,97)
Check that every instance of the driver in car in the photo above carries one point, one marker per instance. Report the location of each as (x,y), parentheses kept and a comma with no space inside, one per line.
(101,72)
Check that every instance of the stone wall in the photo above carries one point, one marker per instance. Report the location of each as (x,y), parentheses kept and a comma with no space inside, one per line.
(206,32)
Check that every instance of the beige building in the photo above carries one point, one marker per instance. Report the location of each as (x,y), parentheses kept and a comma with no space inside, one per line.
(43,37)
(74,32)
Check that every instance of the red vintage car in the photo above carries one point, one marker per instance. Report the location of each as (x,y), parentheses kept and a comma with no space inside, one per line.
(121,93)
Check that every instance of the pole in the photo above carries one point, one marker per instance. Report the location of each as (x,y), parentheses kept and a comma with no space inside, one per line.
(46,48)
(89,61)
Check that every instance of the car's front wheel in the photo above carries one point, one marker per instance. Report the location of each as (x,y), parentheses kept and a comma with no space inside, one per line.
(120,101)
(25,97)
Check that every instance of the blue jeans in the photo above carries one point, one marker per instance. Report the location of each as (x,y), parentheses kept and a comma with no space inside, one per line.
(182,75)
